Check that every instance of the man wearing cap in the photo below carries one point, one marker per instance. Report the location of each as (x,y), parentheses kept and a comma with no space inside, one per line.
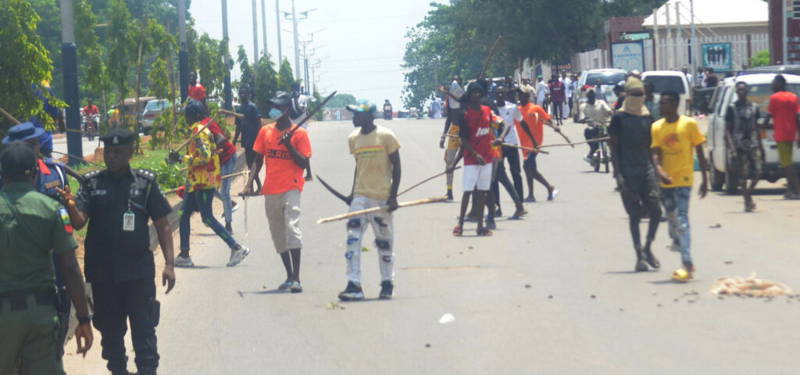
(377,178)
(34,228)
(204,177)
(51,177)
(248,127)
(531,134)
(476,143)
(630,133)
(286,150)
(117,203)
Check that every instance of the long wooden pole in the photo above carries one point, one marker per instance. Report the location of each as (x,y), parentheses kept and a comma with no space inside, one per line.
(577,143)
(376,209)
(425,180)
(8,116)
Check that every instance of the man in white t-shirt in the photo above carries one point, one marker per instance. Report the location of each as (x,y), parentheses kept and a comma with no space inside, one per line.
(510,113)
(567,94)
(542,90)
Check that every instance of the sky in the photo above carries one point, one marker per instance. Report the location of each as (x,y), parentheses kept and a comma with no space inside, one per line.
(357,45)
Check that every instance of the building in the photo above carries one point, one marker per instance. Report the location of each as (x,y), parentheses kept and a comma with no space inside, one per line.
(776,9)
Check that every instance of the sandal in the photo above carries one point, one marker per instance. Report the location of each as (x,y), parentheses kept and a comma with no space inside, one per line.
(458,231)
(484,232)
(518,215)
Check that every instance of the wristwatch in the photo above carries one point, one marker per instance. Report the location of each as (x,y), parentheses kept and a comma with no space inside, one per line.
(84,319)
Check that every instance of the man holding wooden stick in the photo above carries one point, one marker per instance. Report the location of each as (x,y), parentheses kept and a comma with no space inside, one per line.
(286,150)
(375,184)
(531,134)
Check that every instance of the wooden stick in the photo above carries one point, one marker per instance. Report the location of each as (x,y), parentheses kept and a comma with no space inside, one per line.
(491,54)
(526,148)
(577,143)
(192,137)
(8,116)
(234,174)
(232,113)
(376,209)
(424,181)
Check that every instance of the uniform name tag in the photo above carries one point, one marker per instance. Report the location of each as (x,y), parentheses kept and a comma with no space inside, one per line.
(128,221)
(98,192)
(52,184)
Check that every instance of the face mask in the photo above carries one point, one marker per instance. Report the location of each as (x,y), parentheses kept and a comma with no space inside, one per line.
(635,105)
(275,113)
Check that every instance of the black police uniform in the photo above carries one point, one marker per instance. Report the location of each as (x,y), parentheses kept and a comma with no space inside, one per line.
(119,263)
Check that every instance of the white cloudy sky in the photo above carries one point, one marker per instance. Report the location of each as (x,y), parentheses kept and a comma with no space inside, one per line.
(359,43)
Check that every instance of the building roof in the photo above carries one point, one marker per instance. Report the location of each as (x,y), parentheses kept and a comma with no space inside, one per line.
(713,12)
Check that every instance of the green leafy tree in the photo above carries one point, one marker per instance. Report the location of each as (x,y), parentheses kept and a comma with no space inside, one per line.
(762,58)
(285,76)
(247,78)
(266,81)
(23,60)
(122,41)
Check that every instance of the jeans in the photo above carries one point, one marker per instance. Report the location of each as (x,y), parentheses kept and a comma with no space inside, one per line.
(676,205)
(224,193)
(512,156)
(382,227)
(200,200)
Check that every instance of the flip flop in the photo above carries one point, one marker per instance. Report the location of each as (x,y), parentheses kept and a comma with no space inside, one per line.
(458,231)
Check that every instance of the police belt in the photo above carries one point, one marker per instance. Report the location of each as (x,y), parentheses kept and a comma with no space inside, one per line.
(19,300)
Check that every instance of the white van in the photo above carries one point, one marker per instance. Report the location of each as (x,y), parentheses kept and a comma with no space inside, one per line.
(605,78)
(670,80)
(759,89)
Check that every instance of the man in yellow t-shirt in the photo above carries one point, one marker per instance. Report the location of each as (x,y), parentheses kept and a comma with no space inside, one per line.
(675,139)
(377,178)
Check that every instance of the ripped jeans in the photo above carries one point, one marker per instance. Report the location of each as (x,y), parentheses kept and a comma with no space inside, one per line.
(382,226)
(676,205)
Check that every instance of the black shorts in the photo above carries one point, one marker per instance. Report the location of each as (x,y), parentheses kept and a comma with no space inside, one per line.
(641,193)
(530,162)
(748,162)
(250,156)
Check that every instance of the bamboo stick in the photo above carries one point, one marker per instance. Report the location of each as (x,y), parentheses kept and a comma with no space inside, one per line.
(376,209)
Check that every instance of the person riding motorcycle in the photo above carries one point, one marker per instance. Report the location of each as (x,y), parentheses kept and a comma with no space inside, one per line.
(597,114)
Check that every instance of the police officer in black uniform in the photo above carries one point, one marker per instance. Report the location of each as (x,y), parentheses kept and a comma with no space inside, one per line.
(117,203)
(51,177)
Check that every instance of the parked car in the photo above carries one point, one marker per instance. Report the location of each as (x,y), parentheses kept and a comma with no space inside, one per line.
(605,78)
(129,111)
(152,110)
(759,92)
(670,80)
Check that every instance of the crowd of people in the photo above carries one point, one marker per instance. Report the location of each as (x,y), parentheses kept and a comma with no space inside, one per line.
(653,148)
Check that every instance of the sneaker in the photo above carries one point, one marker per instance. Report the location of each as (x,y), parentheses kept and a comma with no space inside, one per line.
(651,259)
(285,286)
(449,195)
(490,224)
(184,261)
(387,290)
(296,287)
(641,266)
(682,275)
(235,206)
(353,292)
(551,196)
(238,256)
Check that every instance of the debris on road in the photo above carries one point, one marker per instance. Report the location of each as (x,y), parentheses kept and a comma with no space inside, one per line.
(716,226)
(241,294)
(527,286)
(447,319)
(729,262)
(550,296)
(427,345)
(750,286)
(593,296)
(334,306)
(364,249)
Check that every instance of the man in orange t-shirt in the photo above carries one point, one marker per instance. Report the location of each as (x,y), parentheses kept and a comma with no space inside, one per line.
(783,110)
(286,150)
(531,135)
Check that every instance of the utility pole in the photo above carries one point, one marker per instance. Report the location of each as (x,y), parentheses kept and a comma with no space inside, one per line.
(693,50)
(228,95)
(264,25)
(296,44)
(278,23)
(306,81)
(669,56)
(255,33)
(69,64)
(183,54)
(678,52)
(785,35)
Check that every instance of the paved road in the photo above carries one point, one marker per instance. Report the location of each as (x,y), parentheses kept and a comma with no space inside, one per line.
(60,145)
(553,294)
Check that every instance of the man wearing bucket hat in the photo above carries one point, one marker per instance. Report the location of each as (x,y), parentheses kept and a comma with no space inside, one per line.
(377,178)
(286,151)
(636,175)
(52,176)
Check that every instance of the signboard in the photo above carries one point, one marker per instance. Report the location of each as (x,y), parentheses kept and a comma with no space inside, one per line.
(628,55)
(635,36)
(718,56)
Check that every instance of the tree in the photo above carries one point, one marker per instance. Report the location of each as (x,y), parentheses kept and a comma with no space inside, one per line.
(286,77)
(247,79)
(23,60)
(266,83)
(762,58)
(122,41)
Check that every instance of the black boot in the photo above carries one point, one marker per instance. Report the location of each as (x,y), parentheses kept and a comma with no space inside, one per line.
(649,257)
(641,266)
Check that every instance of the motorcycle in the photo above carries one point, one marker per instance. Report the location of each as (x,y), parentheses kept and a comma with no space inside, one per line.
(90,125)
(601,155)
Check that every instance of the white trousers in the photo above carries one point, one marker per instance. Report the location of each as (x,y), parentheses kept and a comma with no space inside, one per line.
(382,227)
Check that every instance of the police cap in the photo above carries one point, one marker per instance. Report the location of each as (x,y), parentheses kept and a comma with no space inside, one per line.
(118,136)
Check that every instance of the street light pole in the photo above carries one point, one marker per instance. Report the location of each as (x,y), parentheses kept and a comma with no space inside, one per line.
(296,44)
(278,23)
(264,25)
(695,56)
(69,61)
(255,33)
(228,95)
(183,54)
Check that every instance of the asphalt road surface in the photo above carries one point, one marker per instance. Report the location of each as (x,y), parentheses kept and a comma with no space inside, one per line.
(551,294)
(60,145)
